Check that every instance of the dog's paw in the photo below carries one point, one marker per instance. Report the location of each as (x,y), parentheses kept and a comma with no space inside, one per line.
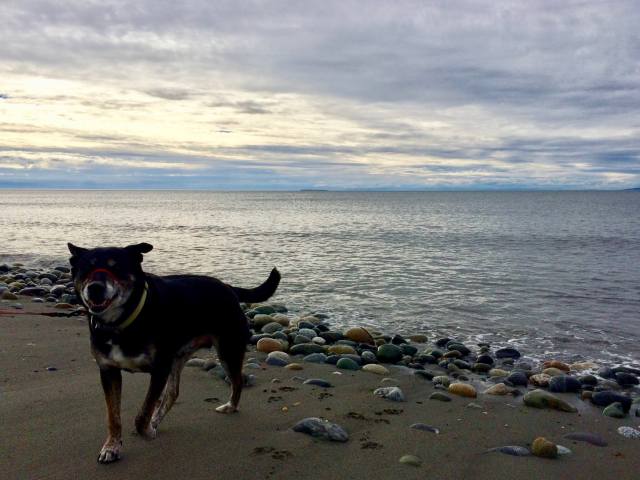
(110,452)
(227,408)
(145,429)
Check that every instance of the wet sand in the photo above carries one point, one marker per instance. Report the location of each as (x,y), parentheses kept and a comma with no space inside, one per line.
(53,423)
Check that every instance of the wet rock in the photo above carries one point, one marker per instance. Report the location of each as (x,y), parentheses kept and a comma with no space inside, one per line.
(513,450)
(34,291)
(7,295)
(368,357)
(320,428)
(541,447)
(614,410)
(442,397)
(606,372)
(195,362)
(272,327)
(557,364)
(318,382)
(341,350)
(498,389)
(498,372)
(398,340)
(518,379)
(389,353)
(347,364)
(390,393)
(626,380)
(278,359)
(592,438)
(540,380)
(424,374)
(268,345)
(629,432)
(441,380)
(508,353)
(332,337)
(306,349)
(564,384)
(544,399)
(486,359)
(375,368)
(463,389)
(316,358)
(606,398)
(418,338)
(553,372)
(588,380)
(359,334)
(425,428)
(408,349)
(294,366)
(458,347)
(410,460)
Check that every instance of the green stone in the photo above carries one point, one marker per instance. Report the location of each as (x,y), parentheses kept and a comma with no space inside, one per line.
(389,353)
(543,399)
(440,396)
(347,364)
(615,410)
(306,349)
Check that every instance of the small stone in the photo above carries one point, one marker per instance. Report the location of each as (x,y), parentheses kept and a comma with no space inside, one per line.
(425,428)
(63,306)
(463,389)
(272,327)
(278,358)
(540,380)
(265,309)
(451,346)
(514,450)
(591,438)
(375,368)
(390,393)
(268,345)
(294,366)
(7,295)
(541,447)
(507,353)
(442,397)
(562,451)
(51,369)
(556,364)
(341,350)
(606,398)
(564,384)
(518,379)
(588,380)
(486,359)
(497,372)
(318,382)
(315,358)
(34,291)
(347,364)
(424,374)
(37,300)
(543,399)
(553,372)
(498,389)
(442,380)
(410,460)
(418,338)
(306,349)
(629,432)
(389,353)
(582,366)
(615,410)
(320,428)
(481,367)
(368,357)
(625,379)
(318,340)
(195,362)
(360,335)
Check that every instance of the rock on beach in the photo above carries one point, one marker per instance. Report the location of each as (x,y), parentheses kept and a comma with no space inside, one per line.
(321,428)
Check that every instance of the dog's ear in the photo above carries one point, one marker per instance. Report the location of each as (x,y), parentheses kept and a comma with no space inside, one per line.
(76,251)
(138,249)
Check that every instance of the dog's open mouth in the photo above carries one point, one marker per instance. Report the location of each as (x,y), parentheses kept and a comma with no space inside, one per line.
(100,307)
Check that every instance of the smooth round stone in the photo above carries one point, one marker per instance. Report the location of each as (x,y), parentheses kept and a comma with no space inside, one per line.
(195,362)
(606,372)
(441,380)
(498,389)
(331,337)
(278,359)
(553,372)
(564,384)
(7,295)
(298,339)
(462,364)
(272,327)
(408,349)
(347,364)
(389,353)
(37,300)
(318,340)
(368,357)
(34,291)
(418,338)
(398,340)
(315,358)
(508,353)
(281,319)
(541,447)
(307,332)
(425,428)
(463,389)
(588,380)
(46,281)
(518,379)
(459,347)
(615,410)
(260,320)
(544,399)
(626,379)
(629,432)
(498,372)
(513,450)
(306,349)
(265,309)
(375,368)
(442,397)
(57,290)
(62,269)
(487,359)
(390,393)
(481,367)
(294,366)
(319,428)
(318,382)
(333,359)
(359,335)
(557,364)
(540,379)
(268,345)
(606,398)
(342,350)
(452,354)
(410,460)
(435,353)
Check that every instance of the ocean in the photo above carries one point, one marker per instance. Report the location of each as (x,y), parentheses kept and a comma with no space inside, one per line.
(554,274)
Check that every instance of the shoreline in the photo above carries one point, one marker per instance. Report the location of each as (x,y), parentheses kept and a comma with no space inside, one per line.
(55,411)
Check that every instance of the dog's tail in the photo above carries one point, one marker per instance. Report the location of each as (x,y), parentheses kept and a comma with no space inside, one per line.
(261,293)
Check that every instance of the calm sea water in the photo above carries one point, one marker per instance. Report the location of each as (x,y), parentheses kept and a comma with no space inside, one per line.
(554,274)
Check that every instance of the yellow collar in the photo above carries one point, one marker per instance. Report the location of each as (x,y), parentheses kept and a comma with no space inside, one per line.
(131,318)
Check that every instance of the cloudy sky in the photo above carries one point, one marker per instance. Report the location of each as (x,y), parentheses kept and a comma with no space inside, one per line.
(327,94)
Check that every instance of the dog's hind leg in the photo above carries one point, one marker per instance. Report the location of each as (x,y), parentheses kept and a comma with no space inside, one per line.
(111,380)
(171,391)
(231,359)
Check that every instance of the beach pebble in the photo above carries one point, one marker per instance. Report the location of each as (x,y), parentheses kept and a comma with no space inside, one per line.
(320,428)
(195,362)
(625,379)
(514,450)
(588,380)
(318,340)
(7,295)
(543,399)
(606,398)
(442,380)
(508,353)
(272,327)
(341,350)
(359,335)
(347,364)
(51,369)
(629,432)
(63,306)
(318,382)
(390,393)
(457,346)
(424,374)
(564,384)
(541,447)
(481,367)
(592,438)
(375,368)
(563,451)
(582,366)
(34,291)
(540,380)
(418,338)
(281,319)
(260,320)
(486,359)
(368,357)
(463,389)
(518,379)
(278,359)
(614,410)
(316,358)
(556,364)
(37,300)
(425,428)
(389,353)
(442,397)
(306,349)
(553,372)
(410,460)
(294,366)
(498,372)
(498,389)
(268,345)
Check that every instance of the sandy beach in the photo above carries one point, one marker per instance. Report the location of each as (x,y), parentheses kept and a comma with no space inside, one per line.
(53,422)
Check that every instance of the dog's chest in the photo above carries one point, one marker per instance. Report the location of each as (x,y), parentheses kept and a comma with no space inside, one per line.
(112,355)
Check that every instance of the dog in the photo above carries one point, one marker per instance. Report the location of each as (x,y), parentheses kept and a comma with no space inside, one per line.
(141,322)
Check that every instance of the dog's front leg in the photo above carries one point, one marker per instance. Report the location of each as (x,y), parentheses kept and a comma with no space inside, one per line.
(111,380)
(159,378)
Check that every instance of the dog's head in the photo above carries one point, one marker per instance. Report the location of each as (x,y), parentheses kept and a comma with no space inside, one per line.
(105,278)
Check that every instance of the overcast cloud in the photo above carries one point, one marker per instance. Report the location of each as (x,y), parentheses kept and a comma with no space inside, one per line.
(331,94)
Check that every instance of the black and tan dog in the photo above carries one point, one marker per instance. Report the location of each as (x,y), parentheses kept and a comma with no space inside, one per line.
(146,323)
